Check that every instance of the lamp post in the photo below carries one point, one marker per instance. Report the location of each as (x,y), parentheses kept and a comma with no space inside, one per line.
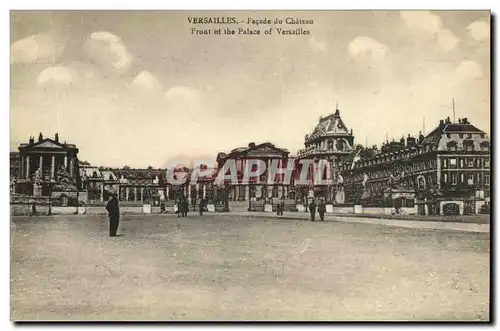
(226,198)
(50,198)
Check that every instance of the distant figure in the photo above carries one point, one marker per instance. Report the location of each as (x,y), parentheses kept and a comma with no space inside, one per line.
(33,209)
(185,207)
(202,206)
(280,207)
(322,210)
(312,210)
(113,214)
(162,208)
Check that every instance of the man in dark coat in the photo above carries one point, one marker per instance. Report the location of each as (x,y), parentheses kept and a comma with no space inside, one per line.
(185,208)
(322,210)
(202,206)
(113,214)
(312,210)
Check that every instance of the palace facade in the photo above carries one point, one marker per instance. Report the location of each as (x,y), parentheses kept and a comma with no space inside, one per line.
(448,170)
(330,140)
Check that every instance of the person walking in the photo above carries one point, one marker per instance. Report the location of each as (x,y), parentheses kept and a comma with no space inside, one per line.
(322,210)
(312,210)
(185,208)
(113,210)
(202,206)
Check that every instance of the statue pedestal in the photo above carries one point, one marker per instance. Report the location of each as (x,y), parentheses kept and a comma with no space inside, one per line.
(37,190)
(340,197)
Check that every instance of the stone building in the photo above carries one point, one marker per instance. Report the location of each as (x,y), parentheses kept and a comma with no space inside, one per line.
(47,166)
(448,170)
(330,140)
(256,189)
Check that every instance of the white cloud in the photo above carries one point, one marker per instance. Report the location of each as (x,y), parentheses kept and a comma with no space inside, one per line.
(316,45)
(422,20)
(108,51)
(468,70)
(367,45)
(479,30)
(39,48)
(447,40)
(56,74)
(430,24)
(146,81)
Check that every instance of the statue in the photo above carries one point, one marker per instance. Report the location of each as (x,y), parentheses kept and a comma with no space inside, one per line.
(340,195)
(63,176)
(365,179)
(13,183)
(38,176)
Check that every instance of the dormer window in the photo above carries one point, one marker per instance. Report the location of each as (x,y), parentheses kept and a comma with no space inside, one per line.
(485,146)
(452,146)
(468,145)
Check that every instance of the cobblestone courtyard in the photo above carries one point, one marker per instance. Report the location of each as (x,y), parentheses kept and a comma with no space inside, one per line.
(223,267)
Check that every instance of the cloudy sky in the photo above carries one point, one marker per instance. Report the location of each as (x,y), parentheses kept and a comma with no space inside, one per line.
(137,89)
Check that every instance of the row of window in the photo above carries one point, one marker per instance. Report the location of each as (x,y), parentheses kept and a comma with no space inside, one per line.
(468,162)
(454,178)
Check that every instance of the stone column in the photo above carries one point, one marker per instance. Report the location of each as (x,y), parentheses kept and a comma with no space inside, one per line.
(247,192)
(270,191)
(27,167)
(204,191)
(71,167)
(185,191)
(167,192)
(102,191)
(53,170)
(142,194)
(126,193)
(41,164)
(65,162)
(135,193)
(189,192)
(236,193)
(438,172)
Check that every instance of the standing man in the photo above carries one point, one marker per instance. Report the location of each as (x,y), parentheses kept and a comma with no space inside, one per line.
(312,210)
(113,214)
(185,208)
(202,206)
(322,210)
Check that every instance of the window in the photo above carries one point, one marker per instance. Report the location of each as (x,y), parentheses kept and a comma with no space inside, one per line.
(462,178)
(451,146)
(461,162)
(468,145)
(486,179)
(470,163)
(485,146)
(445,163)
(469,135)
(453,179)
(486,163)
(470,180)
(453,163)
(445,178)
(461,135)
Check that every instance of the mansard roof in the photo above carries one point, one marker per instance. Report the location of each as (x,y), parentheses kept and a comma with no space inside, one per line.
(329,126)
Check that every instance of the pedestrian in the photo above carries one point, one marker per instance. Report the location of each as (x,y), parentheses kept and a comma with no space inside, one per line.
(282,208)
(312,210)
(114,215)
(162,208)
(202,206)
(322,210)
(33,209)
(185,208)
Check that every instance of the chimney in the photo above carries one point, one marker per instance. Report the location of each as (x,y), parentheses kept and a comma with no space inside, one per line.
(32,140)
(251,145)
(57,137)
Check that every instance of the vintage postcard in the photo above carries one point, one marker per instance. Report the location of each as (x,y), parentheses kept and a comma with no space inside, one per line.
(250,165)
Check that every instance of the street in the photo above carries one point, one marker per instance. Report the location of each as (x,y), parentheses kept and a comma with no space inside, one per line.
(227,267)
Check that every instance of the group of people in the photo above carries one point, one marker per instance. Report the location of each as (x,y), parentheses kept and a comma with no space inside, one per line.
(321,207)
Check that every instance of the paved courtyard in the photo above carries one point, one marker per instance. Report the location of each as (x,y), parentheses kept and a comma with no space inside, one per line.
(223,267)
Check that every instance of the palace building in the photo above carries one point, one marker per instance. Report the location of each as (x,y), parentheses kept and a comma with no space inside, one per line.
(448,171)
(47,165)
(330,140)
(256,189)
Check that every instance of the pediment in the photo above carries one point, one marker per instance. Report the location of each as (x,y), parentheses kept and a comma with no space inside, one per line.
(47,144)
